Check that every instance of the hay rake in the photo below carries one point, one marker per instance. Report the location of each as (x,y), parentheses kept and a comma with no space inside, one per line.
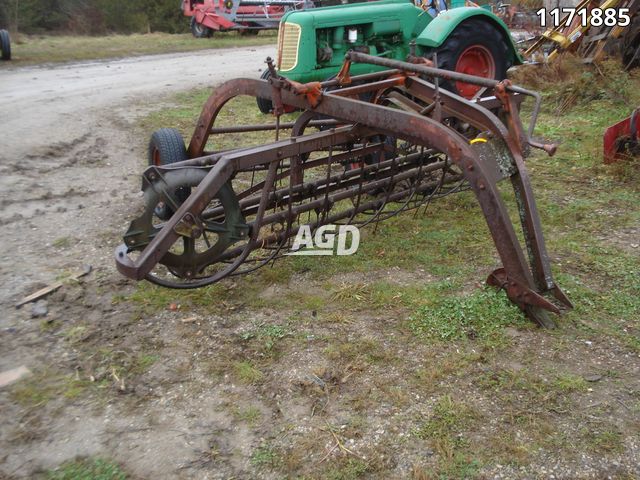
(363,149)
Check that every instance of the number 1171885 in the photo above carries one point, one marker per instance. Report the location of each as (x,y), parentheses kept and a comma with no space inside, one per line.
(597,17)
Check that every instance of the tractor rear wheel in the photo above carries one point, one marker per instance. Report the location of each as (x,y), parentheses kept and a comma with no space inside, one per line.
(5,45)
(199,30)
(475,47)
(166,146)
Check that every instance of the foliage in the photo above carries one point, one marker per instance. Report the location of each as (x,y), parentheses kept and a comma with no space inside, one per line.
(93,16)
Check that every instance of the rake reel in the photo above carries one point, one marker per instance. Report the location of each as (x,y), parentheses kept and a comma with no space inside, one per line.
(364,149)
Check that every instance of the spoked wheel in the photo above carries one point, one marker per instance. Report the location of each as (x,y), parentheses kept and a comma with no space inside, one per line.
(203,241)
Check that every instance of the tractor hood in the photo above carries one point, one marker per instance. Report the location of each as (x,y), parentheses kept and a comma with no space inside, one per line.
(404,14)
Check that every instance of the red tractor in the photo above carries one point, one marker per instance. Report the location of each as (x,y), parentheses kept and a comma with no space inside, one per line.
(246,16)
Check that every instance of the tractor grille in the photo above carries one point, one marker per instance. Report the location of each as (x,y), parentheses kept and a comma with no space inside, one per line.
(288,40)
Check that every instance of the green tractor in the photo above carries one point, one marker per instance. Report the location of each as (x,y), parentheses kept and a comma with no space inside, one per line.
(312,43)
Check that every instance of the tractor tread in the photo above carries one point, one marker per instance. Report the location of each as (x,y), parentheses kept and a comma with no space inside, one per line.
(474,31)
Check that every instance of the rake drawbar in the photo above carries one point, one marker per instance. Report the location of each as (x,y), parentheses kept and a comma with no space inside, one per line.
(364,149)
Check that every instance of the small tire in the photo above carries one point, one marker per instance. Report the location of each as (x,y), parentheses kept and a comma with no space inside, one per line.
(5,45)
(199,30)
(475,47)
(166,146)
(265,105)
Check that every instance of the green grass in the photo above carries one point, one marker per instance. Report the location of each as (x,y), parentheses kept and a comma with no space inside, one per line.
(249,414)
(482,314)
(265,456)
(247,373)
(445,431)
(29,50)
(87,469)
(45,385)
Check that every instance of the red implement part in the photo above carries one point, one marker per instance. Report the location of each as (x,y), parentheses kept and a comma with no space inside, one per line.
(223,15)
(621,139)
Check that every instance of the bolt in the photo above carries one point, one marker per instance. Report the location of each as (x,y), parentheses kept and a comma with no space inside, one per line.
(481,186)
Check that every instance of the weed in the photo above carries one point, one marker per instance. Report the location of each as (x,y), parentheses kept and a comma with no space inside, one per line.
(444,429)
(352,469)
(604,441)
(62,242)
(249,414)
(247,373)
(87,469)
(43,386)
(265,456)
(483,315)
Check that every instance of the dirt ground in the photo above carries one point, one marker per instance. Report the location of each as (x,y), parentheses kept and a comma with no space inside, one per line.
(245,389)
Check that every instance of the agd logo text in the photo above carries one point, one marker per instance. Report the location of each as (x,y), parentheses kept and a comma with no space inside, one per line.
(326,239)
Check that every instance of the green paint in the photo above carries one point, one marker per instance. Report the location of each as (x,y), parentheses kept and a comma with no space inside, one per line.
(385,29)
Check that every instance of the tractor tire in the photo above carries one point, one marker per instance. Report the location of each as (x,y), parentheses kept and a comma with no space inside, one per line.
(631,44)
(265,105)
(475,47)
(166,146)
(199,30)
(5,45)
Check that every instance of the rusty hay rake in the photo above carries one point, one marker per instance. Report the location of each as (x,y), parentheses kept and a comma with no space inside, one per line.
(362,150)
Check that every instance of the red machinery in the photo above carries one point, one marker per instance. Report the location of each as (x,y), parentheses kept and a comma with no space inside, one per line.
(621,139)
(247,16)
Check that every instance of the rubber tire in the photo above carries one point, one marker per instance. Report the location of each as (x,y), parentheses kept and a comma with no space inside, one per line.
(474,32)
(200,31)
(5,45)
(265,105)
(170,145)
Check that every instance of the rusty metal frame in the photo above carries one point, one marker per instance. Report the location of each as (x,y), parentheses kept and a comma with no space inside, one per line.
(526,282)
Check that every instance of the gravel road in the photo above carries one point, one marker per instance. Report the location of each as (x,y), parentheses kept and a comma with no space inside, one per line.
(68,151)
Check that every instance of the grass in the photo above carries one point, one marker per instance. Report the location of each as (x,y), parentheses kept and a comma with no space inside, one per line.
(249,414)
(445,431)
(38,49)
(87,469)
(483,314)
(265,456)
(43,386)
(247,373)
